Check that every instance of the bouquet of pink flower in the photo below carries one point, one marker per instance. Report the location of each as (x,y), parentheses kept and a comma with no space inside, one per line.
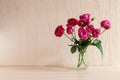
(87,33)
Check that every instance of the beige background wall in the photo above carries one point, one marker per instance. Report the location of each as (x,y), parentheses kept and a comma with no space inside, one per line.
(27,31)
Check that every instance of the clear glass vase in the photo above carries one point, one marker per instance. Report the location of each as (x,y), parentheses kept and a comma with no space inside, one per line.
(81,65)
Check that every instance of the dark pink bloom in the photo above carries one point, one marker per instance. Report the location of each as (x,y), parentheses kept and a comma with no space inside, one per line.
(105,24)
(82,23)
(70,30)
(83,34)
(90,28)
(71,22)
(85,16)
(59,31)
(96,33)
(84,20)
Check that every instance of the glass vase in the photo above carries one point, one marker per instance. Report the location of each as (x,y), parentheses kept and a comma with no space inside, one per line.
(81,65)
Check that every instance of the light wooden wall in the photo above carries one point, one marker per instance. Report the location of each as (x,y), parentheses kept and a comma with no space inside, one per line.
(27,31)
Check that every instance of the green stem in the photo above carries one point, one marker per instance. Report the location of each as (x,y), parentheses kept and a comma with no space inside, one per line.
(83,57)
(68,37)
(73,36)
(84,62)
(103,31)
(81,61)
(78,61)
(100,27)
(92,39)
(74,33)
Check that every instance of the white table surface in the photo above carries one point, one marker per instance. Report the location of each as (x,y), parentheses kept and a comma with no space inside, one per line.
(59,73)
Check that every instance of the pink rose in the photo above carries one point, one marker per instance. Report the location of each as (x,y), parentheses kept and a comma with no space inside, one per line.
(59,31)
(96,33)
(70,30)
(72,22)
(85,16)
(84,20)
(82,23)
(83,34)
(105,24)
(90,28)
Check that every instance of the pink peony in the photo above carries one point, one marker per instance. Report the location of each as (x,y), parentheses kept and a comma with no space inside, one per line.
(105,24)
(59,31)
(70,30)
(84,20)
(96,33)
(83,34)
(71,22)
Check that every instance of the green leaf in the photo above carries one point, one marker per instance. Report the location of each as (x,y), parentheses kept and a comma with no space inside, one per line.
(73,49)
(97,43)
(76,41)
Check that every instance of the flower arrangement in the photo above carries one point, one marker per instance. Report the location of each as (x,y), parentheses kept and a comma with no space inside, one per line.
(87,35)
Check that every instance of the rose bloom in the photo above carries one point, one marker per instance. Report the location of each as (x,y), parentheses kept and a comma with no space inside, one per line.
(71,22)
(82,23)
(83,34)
(90,28)
(70,30)
(85,16)
(84,20)
(105,24)
(96,33)
(59,31)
